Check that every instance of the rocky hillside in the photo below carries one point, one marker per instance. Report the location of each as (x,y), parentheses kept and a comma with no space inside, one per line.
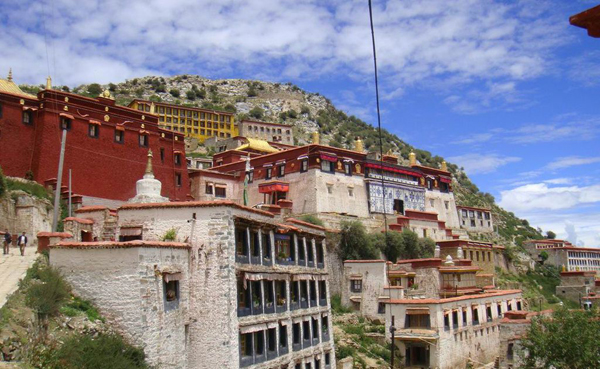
(306,112)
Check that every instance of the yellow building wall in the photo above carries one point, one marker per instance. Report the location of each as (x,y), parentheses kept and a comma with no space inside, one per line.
(191,122)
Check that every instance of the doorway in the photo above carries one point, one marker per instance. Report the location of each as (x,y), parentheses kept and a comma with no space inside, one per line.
(417,355)
(399,206)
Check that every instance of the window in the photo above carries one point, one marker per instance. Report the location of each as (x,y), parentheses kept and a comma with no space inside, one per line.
(162,155)
(416,321)
(356,285)
(281,170)
(177,159)
(475,314)
(446,321)
(348,168)
(455,319)
(268,173)
(143,140)
(315,328)
(0,110)
(171,293)
(296,333)
(27,117)
(381,308)
(272,340)
(259,343)
(464,317)
(119,136)
(65,123)
(327,166)
(93,130)
(282,336)
(447,205)
(350,192)
(304,165)
(510,351)
(209,189)
(220,191)
(329,189)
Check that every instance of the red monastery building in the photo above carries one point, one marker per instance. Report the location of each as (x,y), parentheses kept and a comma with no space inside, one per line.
(106,147)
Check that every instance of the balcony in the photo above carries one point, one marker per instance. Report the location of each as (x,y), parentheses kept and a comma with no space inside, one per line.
(325,335)
(284,261)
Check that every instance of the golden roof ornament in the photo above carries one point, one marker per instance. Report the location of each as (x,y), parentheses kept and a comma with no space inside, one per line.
(315,138)
(444,166)
(48,83)
(358,145)
(106,94)
(149,164)
(412,158)
(9,75)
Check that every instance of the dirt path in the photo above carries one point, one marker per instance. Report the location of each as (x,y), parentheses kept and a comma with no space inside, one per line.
(12,268)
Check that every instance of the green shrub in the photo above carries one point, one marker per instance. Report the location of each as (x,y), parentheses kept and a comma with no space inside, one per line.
(3,183)
(77,305)
(31,188)
(46,294)
(355,243)
(252,92)
(337,307)
(94,89)
(170,235)
(191,95)
(312,219)
(343,352)
(103,352)
(257,112)
(175,92)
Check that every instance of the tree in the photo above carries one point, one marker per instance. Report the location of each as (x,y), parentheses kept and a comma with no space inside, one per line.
(175,92)
(411,244)
(544,256)
(252,92)
(292,114)
(257,112)
(568,339)
(392,247)
(355,243)
(191,95)
(550,235)
(94,89)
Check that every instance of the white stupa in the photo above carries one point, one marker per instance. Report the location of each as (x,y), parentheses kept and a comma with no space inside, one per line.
(148,188)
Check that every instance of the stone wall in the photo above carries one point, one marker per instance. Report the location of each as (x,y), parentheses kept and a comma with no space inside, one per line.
(373,275)
(127,287)
(21,212)
(444,205)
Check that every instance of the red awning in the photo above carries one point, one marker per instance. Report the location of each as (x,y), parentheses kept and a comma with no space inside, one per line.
(329,157)
(273,186)
(446,179)
(395,170)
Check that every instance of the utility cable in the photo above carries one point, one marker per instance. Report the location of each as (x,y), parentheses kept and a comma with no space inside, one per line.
(379,124)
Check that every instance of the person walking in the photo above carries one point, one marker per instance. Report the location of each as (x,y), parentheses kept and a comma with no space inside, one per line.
(7,241)
(22,242)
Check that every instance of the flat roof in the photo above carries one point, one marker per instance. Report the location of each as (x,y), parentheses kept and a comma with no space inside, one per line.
(588,19)
(193,204)
(452,299)
(114,244)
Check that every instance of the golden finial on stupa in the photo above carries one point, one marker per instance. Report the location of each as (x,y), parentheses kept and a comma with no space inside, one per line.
(9,75)
(48,83)
(444,166)
(106,94)
(149,164)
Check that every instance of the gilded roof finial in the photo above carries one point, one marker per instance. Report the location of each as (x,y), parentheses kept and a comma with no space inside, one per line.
(149,165)
(358,145)
(9,75)
(48,83)
(412,158)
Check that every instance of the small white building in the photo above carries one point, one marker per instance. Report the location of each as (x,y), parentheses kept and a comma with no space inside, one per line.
(475,219)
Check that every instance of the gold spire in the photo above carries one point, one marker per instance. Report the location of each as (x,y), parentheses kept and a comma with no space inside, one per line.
(149,165)
(444,166)
(48,83)
(412,158)
(358,145)
(152,108)
(315,138)
(9,75)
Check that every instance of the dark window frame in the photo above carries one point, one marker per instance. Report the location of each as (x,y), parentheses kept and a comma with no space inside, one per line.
(304,165)
(119,136)
(65,123)
(143,140)
(29,115)
(95,128)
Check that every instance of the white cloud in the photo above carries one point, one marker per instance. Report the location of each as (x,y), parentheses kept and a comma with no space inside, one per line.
(480,163)
(571,232)
(564,128)
(570,161)
(462,41)
(539,196)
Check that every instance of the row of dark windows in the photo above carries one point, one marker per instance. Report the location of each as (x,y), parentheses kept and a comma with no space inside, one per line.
(264,345)
(249,248)
(269,297)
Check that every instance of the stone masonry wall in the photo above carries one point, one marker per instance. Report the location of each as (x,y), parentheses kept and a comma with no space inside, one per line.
(127,287)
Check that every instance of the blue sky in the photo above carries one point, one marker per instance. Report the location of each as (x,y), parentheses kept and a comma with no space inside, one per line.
(506,89)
